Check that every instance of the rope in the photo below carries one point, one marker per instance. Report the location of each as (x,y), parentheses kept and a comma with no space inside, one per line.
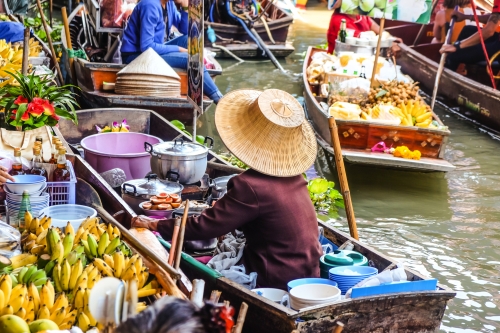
(490,70)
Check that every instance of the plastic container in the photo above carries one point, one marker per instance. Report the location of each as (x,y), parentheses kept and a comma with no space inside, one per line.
(347,280)
(295,283)
(30,183)
(63,214)
(63,193)
(273,294)
(340,258)
(395,287)
(125,151)
(308,295)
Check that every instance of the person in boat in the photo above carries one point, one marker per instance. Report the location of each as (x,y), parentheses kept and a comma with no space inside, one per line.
(12,32)
(269,202)
(468,49)
(146,29)
(358,23)
(443,19)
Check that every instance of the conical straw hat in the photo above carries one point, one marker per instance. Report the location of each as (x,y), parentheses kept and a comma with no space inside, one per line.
(149,62)
(267,131)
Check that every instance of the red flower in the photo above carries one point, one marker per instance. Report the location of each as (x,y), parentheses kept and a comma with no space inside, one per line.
(20,100)
(35,109)
(26,116)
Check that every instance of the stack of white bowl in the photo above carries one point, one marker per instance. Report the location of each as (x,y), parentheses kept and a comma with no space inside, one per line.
(34,185)
(307,295)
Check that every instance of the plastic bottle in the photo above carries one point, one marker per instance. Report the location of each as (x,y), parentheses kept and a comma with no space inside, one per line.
(17,166)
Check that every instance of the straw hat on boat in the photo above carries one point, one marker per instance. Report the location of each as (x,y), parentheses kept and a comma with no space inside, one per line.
(148,75)
(266,130)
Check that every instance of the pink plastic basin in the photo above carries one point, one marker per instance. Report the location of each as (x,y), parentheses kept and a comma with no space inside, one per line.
(107,151)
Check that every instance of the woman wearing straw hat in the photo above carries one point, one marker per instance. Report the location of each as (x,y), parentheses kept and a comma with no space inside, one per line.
(146,29)
(269,202)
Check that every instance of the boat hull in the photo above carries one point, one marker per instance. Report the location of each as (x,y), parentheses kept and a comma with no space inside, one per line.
(476,102)
(236,39)
(358,137)
(402,312)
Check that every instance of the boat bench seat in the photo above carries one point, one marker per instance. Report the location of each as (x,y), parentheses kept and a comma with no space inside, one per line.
(495,64)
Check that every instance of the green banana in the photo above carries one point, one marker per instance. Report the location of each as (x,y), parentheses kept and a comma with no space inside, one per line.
(50,266)
(39,274)
(15,282)
(29,273)
(22,273)
(86,248)
(40,282)
(68,243)
(79,249)
(72,257)
(103,244)
(112,246)
(92,245)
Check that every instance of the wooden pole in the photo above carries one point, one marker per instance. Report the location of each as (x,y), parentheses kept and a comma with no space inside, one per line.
(141,248)
(26,51)
(441,64)
(344,186)
(173,246)
(377,53)
(51,9)
(339,327)
(69,44)
(180,240)
(241,318)
(49,39)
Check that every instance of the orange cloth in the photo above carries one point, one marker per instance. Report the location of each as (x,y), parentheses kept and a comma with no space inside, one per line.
(456,29)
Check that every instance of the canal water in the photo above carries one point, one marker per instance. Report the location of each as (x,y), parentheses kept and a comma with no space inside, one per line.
(443,225)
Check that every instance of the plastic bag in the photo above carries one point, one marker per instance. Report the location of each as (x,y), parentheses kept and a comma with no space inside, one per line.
(10,240)
(238,274)
(350,91)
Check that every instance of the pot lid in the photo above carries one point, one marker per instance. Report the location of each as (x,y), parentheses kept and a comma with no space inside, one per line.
(338,259)
(151,186)
(221,182)
(180,148)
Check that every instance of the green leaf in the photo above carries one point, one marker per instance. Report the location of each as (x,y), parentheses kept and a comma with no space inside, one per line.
(200,139)
(20,111)
(381,93)
(318,185)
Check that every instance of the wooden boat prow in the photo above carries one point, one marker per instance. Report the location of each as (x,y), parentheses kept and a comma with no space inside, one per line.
(358,137)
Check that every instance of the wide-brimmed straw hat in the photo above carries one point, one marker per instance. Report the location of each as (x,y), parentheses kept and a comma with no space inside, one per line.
(266,130)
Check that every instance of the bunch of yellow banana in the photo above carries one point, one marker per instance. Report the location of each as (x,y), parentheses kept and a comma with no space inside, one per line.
(418,113)
(35,48)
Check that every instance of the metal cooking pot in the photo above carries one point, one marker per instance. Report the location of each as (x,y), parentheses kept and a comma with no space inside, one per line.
(139,190)
(219,186)
(196,245)
(188,159)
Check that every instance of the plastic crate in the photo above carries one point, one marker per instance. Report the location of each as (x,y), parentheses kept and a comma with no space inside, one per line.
(62,193)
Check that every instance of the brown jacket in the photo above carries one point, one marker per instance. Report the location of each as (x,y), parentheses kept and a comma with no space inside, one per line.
(278,220)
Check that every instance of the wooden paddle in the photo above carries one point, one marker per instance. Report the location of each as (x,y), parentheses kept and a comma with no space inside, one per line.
(442,62)
(26,51)
(377,52)
(180,240)
(344,186)
(49,40)
(69,44)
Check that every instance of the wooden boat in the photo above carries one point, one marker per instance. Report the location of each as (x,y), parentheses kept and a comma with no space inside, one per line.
(236,39)
(403,312)
(471,96)
(91,75)
(358,137)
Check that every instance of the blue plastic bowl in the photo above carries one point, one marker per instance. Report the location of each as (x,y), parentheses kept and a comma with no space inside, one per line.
(30,183)
(299,282)
(363,270)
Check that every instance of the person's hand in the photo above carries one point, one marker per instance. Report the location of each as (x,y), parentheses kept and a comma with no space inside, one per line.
(142,221)
(459,17)
(4,175)
(395,50)
(181,49)
(446,48)
(182,3)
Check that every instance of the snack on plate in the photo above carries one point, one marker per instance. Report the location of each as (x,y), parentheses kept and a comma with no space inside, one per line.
(163,201)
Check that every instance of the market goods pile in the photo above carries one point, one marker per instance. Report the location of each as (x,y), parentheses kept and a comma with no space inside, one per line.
(394,102)
(49,284)
(11,56)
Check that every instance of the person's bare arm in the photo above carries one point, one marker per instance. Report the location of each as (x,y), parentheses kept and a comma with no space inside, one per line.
(462,17)
(488,31)
(438,26)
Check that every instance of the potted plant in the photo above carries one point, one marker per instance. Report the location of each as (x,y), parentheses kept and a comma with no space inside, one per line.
(35,102)
(32,105)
